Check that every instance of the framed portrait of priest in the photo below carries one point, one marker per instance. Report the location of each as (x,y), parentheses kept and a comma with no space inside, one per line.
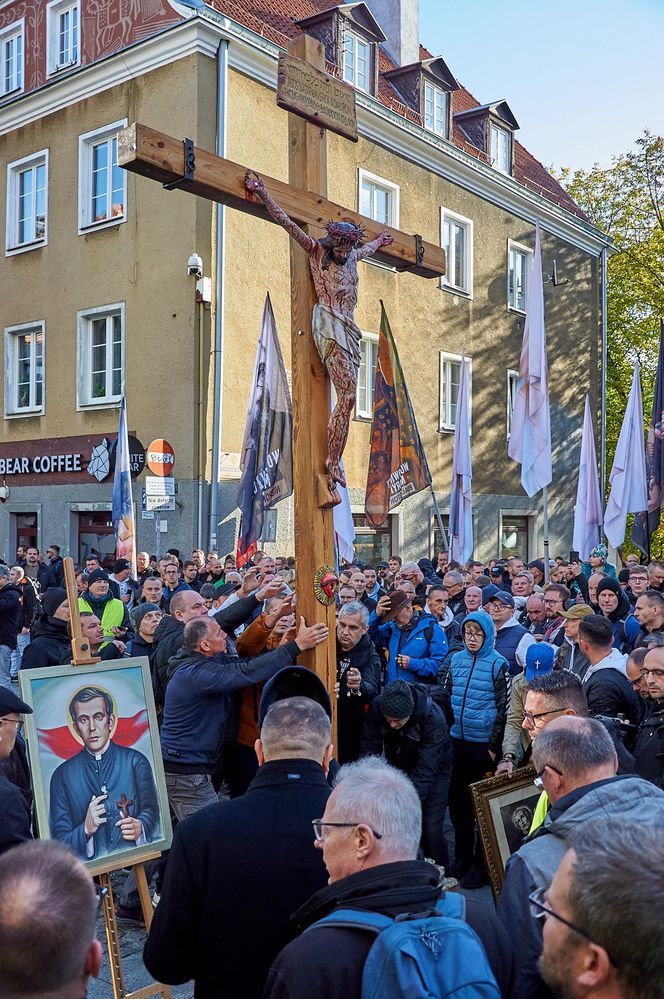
(504,807)
(95,757)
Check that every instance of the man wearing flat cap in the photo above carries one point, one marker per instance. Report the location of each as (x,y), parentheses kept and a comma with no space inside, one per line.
(15,825)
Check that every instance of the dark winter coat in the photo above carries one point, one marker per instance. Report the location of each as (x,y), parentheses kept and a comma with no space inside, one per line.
(351,706)
(49,643)
(236,873)
(608,690)
(30,606)
(199,702)
(15,823)
(10,610)
(56,570)
(421,749)
(327,963)
(648,747)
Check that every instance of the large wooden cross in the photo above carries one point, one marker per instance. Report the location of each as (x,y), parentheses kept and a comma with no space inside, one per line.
(176,164)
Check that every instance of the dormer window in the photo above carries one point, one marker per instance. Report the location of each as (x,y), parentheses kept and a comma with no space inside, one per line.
(501,149)
(435,109)
(357,61)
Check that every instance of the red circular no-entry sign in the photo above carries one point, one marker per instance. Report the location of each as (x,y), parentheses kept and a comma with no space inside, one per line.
(160,457)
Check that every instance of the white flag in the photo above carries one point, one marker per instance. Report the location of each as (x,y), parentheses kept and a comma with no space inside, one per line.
(588,508)
(344,529)
(461,503)
(530,436)
(629,490)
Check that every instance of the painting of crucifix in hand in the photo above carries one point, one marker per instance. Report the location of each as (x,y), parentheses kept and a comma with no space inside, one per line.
(333,262)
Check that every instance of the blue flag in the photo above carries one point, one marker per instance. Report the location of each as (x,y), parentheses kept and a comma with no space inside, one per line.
(123,507)
(267,448)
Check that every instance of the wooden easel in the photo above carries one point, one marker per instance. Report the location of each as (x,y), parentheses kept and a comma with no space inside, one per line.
(82,656)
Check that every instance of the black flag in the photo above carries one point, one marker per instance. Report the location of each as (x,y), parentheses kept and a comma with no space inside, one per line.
(267,448)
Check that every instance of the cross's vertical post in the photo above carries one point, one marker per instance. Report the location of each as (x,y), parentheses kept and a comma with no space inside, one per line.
(314,527)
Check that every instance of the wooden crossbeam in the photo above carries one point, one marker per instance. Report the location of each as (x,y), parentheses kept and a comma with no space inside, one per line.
(160,157)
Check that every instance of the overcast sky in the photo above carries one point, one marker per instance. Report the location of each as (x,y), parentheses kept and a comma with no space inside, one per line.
(582,77)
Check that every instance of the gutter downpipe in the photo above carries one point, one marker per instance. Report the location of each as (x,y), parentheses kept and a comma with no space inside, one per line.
(603,258)
(218,387)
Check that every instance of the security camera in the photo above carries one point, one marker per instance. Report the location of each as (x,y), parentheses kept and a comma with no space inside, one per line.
(195,265)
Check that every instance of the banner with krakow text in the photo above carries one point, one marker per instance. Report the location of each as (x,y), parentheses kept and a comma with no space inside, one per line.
(397,463)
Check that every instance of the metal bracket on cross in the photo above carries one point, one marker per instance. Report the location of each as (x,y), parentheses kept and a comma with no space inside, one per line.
(189,165)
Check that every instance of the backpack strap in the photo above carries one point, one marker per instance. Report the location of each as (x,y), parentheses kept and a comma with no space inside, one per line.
(451,904)
(356,919)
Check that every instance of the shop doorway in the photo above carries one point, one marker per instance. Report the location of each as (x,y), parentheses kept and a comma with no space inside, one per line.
(96,535)
(26,531)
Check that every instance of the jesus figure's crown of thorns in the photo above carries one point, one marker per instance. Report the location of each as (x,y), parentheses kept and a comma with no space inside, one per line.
(347,232)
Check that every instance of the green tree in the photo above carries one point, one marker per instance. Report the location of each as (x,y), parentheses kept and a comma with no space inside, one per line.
(626,201)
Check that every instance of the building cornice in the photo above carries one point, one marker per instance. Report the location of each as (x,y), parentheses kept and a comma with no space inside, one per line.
(256,57)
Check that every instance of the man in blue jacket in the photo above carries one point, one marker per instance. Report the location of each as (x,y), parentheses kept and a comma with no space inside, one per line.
(415,644)
(477,682)
(199,703)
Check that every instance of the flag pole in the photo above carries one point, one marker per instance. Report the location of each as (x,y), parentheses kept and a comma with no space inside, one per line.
(439,518)
(545,503)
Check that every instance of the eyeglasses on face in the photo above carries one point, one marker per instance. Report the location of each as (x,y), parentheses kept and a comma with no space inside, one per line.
(538,781)
(533,718)
(318,826)
(540,909)
(657,673)
(15,721)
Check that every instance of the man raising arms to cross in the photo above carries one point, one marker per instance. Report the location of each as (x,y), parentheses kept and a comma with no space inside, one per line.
(333,261)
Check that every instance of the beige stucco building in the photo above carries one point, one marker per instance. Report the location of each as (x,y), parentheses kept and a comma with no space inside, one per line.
(97,299)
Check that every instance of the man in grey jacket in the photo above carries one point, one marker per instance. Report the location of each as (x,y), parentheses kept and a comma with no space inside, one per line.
(576,762)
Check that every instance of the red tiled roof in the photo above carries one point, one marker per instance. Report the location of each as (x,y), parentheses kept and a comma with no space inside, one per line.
(275,20)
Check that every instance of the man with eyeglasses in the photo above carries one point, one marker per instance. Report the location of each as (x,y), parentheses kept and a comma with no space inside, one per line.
(556,597)
(649,743)
(15,820)
(369,836)
(601,888)
(576,764)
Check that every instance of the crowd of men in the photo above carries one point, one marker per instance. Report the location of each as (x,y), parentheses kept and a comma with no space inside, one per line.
(293,857)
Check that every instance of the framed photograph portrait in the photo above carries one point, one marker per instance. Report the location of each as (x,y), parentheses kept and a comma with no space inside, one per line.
(96,762)
(504,807)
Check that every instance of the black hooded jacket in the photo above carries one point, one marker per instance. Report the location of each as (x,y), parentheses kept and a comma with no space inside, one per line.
(49,643)
(421,749)
(351,707)
(10,610)
(327,963)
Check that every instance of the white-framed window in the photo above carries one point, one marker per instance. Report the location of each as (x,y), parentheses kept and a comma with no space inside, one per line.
(501,149)
(357,61)
(379,199)
(11,58)
(24,369)
(102,184)
(450,380)
(63,35)
(27,203)
(457,240)
(435,109)
(512,380)
(366,377)
(100,356)
(519,263)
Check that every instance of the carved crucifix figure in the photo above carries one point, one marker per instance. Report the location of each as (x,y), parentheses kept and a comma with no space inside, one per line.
(123,806)
(333,262)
